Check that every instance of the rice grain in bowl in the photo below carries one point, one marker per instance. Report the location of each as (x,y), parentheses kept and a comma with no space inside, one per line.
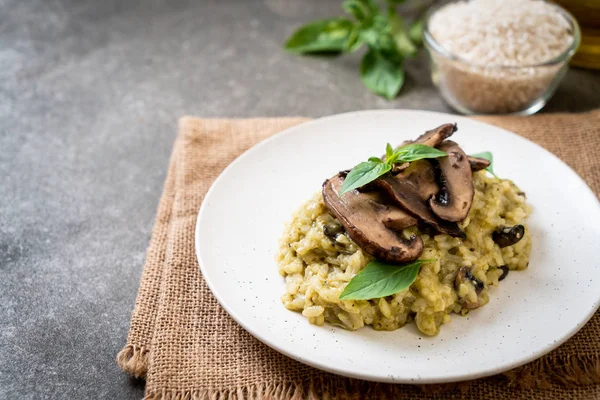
(318,262)
(493,57)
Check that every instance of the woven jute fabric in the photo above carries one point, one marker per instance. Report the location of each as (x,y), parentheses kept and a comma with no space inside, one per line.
(187,347)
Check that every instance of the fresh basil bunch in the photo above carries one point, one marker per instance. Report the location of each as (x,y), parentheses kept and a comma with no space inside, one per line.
(389,39)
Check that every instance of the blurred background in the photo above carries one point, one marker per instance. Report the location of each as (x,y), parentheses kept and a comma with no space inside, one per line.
(90,94)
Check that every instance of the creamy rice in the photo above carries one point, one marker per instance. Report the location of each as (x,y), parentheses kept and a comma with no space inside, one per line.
(316,269)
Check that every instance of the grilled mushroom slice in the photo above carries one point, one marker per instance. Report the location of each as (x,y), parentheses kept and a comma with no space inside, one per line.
(435,136)
(478,163)
(365,224)
(454,200)
(402,191)
(508,235)
(390,215)
(421,175)
(431,138)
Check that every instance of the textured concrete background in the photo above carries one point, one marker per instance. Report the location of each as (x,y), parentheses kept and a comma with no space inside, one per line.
(90,93)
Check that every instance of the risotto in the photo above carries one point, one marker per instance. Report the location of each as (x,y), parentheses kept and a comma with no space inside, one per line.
(317,265)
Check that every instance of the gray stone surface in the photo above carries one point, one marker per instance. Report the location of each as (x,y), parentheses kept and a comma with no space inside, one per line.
(90,93)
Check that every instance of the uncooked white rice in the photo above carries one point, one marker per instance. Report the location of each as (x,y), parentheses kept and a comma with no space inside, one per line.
(505,32)
(492,33)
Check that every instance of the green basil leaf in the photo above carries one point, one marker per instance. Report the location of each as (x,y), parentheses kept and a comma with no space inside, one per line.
(369,35)
(357,8)
(414,152)
(389,152)
(372,6)
(381,75)
(404,44)
(354,41)
(374,31)
(375,159)
(364,173)
(379,279)
(370,23)
(415,32)
(328,35)
(488,156)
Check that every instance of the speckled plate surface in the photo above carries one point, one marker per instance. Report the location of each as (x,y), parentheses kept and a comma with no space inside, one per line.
(529,314)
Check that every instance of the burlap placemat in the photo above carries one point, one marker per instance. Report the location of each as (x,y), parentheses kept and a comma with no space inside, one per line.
(187,347)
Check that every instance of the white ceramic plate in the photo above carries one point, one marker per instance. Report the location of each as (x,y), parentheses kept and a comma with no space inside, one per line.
(529,314)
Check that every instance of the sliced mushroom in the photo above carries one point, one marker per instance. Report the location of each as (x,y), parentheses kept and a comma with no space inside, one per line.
(464,275)
(435,136)
(454,200)
(421,175)
(508,235)
(364,224)
(402,191)
(478,163)
(390,215)
(397,168)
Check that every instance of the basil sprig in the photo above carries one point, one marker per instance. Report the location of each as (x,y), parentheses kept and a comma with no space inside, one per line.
(329,35)
(364,173)
(389,38)
(379,279)
(414,152)
(488,156)
(368,171)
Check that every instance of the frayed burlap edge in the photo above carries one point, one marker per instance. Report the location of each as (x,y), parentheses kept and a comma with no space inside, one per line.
(545,373)
(133,360)
(567,371)
(258,392)
(317,389)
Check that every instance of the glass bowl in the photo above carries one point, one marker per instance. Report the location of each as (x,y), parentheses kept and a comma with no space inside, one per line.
(496,89)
